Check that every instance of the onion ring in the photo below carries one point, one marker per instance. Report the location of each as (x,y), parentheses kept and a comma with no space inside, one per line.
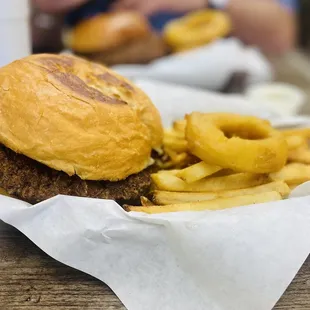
(241,143)
(196,29)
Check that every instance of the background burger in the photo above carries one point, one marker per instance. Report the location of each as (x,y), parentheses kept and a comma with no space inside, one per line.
(72,127)
(115,38)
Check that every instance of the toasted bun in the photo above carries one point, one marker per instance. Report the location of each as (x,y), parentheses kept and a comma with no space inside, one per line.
(77,116)
(106,31)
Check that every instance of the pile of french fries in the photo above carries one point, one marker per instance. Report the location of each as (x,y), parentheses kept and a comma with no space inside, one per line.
(297,169)
(193,185)
(176,153)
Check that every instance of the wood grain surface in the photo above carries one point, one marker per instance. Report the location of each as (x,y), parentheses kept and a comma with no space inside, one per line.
(30,279)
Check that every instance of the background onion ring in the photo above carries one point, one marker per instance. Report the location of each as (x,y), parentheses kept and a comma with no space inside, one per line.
(241,143)
(196,29)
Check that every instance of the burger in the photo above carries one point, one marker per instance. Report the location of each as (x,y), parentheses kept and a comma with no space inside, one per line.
(73,127)
(115,38)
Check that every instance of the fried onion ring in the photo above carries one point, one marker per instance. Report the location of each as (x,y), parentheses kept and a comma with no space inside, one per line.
(241,143)
(196,29)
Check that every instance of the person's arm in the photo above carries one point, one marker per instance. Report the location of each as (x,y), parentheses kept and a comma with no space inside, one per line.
(56,6)
(265,23)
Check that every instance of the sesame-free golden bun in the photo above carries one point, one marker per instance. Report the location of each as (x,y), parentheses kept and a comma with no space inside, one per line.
(106,31)
(77,116)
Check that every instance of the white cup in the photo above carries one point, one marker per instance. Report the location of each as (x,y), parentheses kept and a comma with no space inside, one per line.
(15,37)
(284,99)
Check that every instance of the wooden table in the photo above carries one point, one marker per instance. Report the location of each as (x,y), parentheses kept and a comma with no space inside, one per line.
(29,279)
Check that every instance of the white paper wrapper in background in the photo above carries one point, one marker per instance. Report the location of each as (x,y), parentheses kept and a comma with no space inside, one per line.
(174,101)
(237,259)
(208,67)
(168,96)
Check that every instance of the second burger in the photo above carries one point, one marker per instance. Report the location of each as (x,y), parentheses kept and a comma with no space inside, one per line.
(115,38)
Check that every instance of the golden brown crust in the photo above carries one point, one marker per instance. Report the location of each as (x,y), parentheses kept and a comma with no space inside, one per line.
(106,31)
(77,116)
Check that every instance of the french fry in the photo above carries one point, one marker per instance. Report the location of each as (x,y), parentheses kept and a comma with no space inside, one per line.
(159,150)
(169,198)
(164,164)
(223,172)
(168,182)
(181,161)
(174,134)
(299,155)
(171,171)
(230,182)
(197,172)
(294,173)
(294,142)
(304,132)
(179,125)
(171,153)
(216,204)
(177,145)
(146,202)
(181,158)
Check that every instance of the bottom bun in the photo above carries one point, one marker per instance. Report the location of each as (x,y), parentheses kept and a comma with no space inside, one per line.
(33,182)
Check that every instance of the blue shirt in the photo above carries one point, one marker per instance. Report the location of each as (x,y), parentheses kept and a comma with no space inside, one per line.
(291,4)
(158,20)
(93,7)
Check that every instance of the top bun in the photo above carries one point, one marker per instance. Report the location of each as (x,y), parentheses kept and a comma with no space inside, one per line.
(106,31)
(77,116)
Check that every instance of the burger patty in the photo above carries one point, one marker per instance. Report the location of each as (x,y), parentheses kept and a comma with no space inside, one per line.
(33,182)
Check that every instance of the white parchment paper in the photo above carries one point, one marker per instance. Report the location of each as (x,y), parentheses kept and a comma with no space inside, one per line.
(174,101)
(237,259)
(208,67)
